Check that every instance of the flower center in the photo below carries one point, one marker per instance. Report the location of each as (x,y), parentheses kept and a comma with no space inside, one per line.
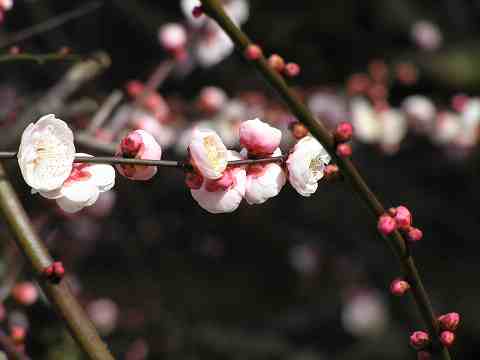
(213,155)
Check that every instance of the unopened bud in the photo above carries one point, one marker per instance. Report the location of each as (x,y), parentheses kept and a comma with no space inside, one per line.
(414,234)
(447,338)
(253,52)
(344,150)
(18,334)
(449,321)
(276,62)
(386,225)
(398,287)
(292,69)
(419,340)
(343,132)
(25,293)
(403,217)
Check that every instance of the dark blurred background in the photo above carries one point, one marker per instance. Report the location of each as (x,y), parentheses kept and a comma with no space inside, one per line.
(295,278)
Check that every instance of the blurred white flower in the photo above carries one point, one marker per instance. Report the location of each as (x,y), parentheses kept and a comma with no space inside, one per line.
(365,121)
(394,129)
(421,112)
(365,314)
(426,35)
(46,153)
(172,36)
(104,315)
(447,128)
(306,165)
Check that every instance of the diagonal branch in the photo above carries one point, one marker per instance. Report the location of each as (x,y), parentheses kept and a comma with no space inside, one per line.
(81,329)
(396,241)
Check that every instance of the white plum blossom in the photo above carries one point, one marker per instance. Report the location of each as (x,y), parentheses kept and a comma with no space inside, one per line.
(306,165)
(426,35)
(365,121)
(447,128)
(46,153)
(223,195)
(209,154)
(83,186)
(421,112)
(172,36)
(264,181)
(259,138)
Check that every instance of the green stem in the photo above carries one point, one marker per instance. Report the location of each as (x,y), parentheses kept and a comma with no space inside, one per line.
(396,241)
(37,255)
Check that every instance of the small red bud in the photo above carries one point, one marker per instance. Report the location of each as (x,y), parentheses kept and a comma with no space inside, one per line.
(134,88)
(292,69)
(386,225)
(58,269)
(419,340)
(276,62)
(54,272)
(447,338)
(25,293)
(343,132)
(449,321)
(299,130)
(398,287)
(344,150)
(423,355)
(18,334)
(253,52)
(197,11)
(414,234)
(403,217)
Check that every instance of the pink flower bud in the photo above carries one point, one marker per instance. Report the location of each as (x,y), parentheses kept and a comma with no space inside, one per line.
(276,62)
(18,334)
(403,217)
(399,287)
(25,293)
(414,234)
(449,321)
(253,52)
(344,150)
(386,225)
(172,36)
(419,340)
(134,88)
(423,355)
(259,138)
(447,338)
(343,132)
(140,145)
(292,69)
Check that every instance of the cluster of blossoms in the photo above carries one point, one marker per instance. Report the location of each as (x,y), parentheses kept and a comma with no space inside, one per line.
(218,187)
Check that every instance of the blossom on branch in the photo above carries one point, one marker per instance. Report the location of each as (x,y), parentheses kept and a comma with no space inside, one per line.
(259,138)
(208,153)
(46,153)
(306,165)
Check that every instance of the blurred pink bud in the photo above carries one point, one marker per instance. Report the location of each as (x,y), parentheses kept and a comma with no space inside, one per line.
(358,84)
(449,321)
(172,36)
(104,315)
(253,52)
(140,145)
(18,334)
(292,69)
(157,105)
(25,293)
(344,150)
(424,355)
(137,351)
(419,340)
(6,5)
(403,217)
(276,62)
(386,225)
(399,287)
(414,234)
(259,138)
(134,88)
(343,132)
(426,35)
(459,101)
(212,99)
(447,338)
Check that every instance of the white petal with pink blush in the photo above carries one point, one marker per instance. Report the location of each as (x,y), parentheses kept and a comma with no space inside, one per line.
(208,153)
(46,153)
(258,137)
(264,181)
(223,195)
(306,165)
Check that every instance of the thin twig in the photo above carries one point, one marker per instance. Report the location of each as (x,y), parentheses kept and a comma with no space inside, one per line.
(396,241)
(40,58)
(7,155)
(81,329)
(50,24)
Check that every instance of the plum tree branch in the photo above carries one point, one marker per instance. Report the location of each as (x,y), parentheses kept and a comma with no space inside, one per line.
(396,241)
